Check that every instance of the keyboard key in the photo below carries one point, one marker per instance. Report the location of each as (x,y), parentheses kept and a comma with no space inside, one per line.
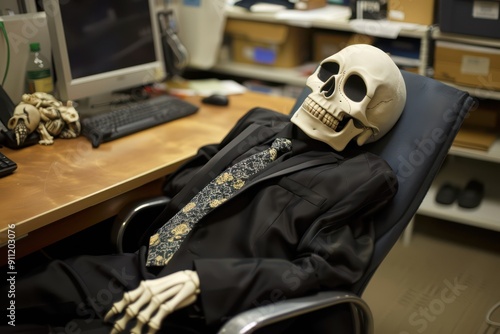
(7,166)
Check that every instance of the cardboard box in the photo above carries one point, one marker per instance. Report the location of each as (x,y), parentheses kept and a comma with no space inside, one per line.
(266,43)
(485,116)
(326,44)
(309,4)
(469,17)
(467,65)
(479,130)
(411,11)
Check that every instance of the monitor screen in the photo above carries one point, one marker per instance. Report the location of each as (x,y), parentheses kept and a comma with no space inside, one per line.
(101,46)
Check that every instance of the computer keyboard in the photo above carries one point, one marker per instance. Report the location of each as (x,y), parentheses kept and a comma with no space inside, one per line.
(7,166)
(134,117)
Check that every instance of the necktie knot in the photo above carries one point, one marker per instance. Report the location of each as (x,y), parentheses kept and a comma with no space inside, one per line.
(282,145)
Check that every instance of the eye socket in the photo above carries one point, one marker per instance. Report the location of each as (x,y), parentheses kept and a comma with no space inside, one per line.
(355,88)
(328,69)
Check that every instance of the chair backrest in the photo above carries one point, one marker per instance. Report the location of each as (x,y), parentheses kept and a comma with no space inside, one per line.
(415,148)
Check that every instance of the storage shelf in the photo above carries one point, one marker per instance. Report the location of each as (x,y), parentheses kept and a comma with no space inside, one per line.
(289,76)
(475,40)
(239,13)
(492,155)
(368,27)
(406,30)
(476,91)
(458,171)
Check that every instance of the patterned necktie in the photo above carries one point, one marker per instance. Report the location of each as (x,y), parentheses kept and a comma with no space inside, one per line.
(167,240)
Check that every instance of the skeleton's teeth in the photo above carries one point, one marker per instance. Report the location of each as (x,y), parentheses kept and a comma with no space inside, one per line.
(321,114)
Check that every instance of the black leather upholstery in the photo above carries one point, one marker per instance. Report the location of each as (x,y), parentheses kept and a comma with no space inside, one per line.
(415,148)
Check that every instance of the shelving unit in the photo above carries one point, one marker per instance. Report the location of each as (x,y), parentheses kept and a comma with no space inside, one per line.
(294,76)
(437,34)
(492,155)
(458,171)
(464,164)
(290,76)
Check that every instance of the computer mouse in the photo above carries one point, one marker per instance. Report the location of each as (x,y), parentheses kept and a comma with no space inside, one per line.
(216,99)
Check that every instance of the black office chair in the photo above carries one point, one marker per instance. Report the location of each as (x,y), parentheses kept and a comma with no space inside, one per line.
(415,148)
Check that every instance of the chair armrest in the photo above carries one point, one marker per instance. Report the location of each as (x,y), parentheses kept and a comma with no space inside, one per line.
(251,320)
(133,220)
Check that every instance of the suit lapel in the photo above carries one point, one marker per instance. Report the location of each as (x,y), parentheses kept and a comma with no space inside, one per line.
(291,165)
(297,163)
(258,135)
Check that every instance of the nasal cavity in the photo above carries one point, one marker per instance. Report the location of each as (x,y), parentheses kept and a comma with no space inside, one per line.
(329,87)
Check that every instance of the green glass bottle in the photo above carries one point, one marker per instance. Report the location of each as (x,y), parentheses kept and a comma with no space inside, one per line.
(38,72)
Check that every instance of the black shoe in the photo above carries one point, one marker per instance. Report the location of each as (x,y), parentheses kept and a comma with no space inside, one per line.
(471,196)
(447,194)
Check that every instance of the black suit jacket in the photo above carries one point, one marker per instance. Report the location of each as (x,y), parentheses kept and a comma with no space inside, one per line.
(300,226)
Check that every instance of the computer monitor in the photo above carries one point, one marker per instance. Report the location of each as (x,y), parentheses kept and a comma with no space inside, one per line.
(101,46)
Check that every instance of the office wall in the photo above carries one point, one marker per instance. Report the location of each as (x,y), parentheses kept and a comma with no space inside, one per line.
(22,30)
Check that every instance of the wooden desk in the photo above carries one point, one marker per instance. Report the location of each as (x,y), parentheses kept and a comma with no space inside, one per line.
(64,188)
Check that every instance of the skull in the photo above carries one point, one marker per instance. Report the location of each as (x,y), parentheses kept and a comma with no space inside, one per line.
(72,120)
(24,121)
(358,93)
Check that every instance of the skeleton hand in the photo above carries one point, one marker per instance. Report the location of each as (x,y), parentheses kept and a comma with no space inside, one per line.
(154,300)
